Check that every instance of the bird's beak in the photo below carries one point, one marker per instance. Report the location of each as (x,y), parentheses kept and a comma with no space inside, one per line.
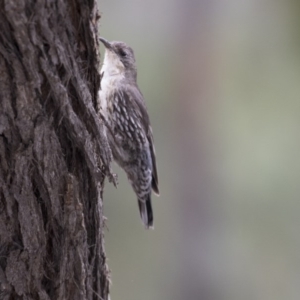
(106,43)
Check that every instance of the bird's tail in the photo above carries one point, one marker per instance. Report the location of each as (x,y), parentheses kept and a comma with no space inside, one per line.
(146,212)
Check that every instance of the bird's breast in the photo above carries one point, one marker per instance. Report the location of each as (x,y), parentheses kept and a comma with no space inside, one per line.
(109,85)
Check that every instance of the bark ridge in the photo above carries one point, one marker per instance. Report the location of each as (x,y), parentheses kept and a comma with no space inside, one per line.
(51,146)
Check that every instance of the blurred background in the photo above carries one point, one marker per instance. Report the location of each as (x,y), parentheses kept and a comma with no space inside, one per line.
(222,84)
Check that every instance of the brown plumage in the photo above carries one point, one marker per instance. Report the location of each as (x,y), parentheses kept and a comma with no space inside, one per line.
(129,131)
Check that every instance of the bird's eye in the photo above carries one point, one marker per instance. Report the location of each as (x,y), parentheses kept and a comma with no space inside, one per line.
(122,52)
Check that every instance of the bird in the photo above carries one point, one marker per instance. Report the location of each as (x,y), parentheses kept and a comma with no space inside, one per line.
(122,107)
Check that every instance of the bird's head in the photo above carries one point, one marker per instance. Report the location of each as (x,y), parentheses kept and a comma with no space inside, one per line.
(119,59)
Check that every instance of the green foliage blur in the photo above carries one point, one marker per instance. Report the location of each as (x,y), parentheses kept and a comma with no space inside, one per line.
(222,84)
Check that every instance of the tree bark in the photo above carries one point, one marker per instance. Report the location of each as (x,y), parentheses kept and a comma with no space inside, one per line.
(53,152)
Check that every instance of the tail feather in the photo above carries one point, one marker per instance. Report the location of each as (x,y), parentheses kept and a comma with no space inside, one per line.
(146,212)
(154,185)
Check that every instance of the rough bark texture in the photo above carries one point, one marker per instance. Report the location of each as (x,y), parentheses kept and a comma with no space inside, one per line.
(51,218)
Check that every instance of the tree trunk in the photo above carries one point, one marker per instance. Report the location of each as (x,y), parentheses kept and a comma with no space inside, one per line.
(51,145)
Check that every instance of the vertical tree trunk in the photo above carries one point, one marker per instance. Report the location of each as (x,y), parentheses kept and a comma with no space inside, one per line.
(51,218)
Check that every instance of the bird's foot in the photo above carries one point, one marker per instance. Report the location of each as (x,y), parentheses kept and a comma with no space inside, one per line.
(112,177)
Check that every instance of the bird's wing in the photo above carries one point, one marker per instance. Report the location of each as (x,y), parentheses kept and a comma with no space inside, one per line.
(154,182)
(136,106)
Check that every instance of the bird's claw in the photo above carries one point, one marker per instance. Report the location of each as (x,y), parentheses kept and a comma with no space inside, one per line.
(113,177)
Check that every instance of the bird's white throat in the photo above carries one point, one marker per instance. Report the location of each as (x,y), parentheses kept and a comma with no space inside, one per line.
(112,65)
(113,71)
